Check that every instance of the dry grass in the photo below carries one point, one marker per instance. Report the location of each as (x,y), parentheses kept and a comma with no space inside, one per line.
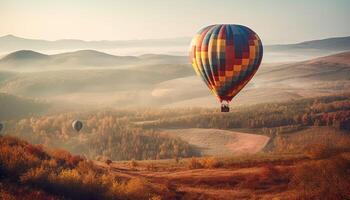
(326,179)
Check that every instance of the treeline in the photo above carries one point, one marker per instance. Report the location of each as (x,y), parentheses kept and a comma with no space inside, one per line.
(129,144)
(322,111)
(56,174)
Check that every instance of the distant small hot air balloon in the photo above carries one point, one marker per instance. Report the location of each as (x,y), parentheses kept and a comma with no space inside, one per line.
(77,125)
(226,56)
(1,126)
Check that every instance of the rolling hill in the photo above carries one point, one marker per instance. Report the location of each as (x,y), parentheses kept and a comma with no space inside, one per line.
(328,68)
(334,44)
(305,50)
(27,60)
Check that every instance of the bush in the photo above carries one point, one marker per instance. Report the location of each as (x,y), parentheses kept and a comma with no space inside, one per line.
(194,163)
(133,163)
(138,188)
(211,162)
(108,162)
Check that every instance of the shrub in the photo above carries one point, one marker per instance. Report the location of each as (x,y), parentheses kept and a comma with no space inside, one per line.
(133,163)
(211,162)
(194,163)
(138,188)
(14,160)
(108,162)
(36,150)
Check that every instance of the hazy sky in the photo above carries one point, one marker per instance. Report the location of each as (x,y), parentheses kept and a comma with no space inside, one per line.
(276,21)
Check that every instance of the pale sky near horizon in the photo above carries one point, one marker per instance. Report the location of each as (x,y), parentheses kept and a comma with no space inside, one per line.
(275,21)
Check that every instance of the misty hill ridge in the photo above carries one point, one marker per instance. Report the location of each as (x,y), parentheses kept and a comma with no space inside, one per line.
(91,58)
(328,68)
(335,44)
(26,58)
(329,43)
(24,55)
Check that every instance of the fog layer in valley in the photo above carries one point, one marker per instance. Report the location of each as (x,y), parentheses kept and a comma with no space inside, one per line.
(90,78)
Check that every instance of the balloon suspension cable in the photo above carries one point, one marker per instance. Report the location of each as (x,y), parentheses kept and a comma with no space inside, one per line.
(225,106)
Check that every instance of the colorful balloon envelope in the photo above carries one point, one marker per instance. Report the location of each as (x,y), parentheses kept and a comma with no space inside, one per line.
(226,56)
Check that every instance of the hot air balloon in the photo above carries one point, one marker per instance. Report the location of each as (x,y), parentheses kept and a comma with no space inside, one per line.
(1,127)
(226,56)
(77,125)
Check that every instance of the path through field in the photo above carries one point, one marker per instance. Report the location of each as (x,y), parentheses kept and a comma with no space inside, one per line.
(184,183)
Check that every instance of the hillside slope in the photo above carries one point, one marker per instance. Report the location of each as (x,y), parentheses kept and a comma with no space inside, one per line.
(328,68)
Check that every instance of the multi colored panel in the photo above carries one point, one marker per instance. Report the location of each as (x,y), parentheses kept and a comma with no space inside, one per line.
(226,57)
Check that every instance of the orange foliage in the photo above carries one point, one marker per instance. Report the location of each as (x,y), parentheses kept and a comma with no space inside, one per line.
(59,173)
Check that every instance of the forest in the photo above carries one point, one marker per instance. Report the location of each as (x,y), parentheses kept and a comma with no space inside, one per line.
(127,134)
(321,111)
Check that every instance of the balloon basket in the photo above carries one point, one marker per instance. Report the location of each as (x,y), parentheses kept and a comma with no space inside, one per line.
(225,107)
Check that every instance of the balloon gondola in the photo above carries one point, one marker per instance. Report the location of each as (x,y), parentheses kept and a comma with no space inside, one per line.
(226,57)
